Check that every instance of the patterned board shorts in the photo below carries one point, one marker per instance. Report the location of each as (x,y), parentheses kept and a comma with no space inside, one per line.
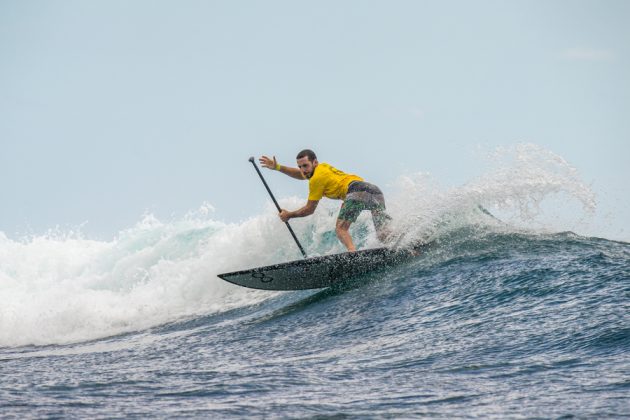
(364,196)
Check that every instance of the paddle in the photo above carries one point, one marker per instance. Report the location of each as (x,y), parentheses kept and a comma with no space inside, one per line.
(251,159)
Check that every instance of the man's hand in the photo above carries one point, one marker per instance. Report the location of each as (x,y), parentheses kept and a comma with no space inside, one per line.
(268,163)
(284,215)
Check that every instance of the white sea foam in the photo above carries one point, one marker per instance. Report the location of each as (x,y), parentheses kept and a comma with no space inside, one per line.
(527,187)
(58,288)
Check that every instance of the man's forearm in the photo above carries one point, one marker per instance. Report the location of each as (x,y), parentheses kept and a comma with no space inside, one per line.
(303,212)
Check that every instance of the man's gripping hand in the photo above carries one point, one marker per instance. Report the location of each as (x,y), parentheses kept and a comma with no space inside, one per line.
(268,163)
(285,215)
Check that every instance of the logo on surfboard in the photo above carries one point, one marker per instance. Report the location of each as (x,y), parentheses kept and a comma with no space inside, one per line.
(262,277)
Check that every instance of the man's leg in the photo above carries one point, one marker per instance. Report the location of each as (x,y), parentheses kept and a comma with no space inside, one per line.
(381,223)
(343,234)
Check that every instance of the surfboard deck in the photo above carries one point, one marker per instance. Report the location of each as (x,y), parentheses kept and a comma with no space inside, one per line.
(319,272)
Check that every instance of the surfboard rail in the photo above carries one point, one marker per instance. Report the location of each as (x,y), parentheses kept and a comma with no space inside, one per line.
(317,272)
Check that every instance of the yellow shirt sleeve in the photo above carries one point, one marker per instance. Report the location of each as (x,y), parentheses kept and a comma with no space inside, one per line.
(316,189)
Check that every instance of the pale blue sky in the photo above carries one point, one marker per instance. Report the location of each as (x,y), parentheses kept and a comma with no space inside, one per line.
(110,108)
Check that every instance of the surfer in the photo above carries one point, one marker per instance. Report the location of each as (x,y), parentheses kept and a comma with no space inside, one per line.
(325,180)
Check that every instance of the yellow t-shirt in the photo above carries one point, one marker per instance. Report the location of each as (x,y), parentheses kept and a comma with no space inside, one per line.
(329,182)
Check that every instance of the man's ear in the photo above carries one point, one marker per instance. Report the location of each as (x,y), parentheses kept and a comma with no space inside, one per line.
(315,162)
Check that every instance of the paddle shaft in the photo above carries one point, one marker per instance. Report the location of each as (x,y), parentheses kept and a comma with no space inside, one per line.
(251,159)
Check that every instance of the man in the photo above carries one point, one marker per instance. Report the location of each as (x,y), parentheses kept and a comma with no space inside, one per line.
(327,181)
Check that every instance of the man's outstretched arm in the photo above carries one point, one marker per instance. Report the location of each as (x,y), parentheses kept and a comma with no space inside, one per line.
(273,164)
(307,210)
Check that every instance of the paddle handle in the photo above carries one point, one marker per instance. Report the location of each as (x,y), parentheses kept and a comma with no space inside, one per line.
(253,161)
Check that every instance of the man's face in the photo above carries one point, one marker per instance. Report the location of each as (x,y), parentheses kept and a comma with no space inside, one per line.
(306,166)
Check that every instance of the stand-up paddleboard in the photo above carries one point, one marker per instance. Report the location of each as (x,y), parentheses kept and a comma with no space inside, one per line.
(319,272)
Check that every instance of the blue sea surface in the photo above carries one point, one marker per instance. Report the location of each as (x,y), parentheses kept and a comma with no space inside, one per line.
(486,324)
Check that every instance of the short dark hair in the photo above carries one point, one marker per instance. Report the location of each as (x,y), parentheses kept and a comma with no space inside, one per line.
(307,153)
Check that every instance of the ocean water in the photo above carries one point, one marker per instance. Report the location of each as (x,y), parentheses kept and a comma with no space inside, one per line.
(504,317)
